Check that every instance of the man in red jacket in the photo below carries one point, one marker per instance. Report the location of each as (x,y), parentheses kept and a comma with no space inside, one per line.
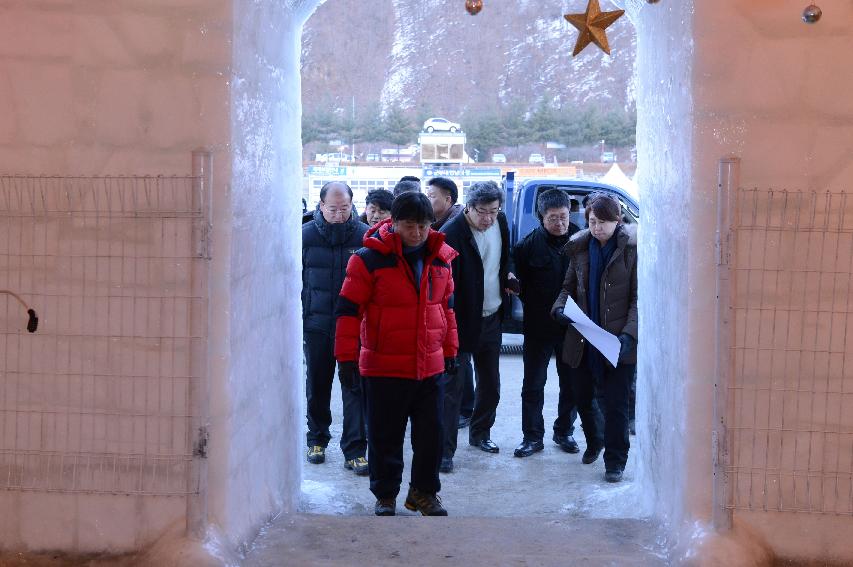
(395,318)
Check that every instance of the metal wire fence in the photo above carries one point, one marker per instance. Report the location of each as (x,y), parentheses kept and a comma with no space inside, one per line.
(100,398)
(790,389)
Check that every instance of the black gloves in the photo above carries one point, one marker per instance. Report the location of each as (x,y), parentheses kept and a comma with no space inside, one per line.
(451,366)
(628,347)
(561,318)
(348,374)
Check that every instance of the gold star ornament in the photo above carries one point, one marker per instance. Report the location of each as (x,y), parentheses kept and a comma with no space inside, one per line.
(591,25)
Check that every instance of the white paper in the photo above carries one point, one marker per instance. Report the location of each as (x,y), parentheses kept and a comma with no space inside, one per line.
(607,343)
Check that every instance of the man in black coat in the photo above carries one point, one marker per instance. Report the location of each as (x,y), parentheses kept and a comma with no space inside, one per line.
(328,241)
(481,271)
(541,266)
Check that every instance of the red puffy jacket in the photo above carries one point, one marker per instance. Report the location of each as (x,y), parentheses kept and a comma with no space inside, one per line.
(403,334)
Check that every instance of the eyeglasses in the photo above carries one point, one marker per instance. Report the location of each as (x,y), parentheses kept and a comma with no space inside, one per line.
(554,219)
(337,211)
(483,213)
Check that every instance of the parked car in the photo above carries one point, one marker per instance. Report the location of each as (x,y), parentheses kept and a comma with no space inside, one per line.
(441,124)
(521,213)
(498,158)
(339,157)
(536,158)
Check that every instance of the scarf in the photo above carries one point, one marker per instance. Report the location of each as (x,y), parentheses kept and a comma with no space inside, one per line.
(414,255)
(599,257)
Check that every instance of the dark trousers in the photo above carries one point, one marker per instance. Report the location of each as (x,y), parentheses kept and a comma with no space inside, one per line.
(467,406)
(615,387)
(320,364)
(487,390)
(536,355)
(453,388)
(390,403)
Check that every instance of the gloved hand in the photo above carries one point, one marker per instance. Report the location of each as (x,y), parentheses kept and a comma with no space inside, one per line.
(513,285)
(451,366)
(560,317)
(628,345)
(348,374)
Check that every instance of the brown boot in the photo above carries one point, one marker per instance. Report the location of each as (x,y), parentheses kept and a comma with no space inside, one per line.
(425,503)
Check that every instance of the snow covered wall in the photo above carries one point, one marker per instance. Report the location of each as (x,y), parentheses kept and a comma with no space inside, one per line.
(256,451)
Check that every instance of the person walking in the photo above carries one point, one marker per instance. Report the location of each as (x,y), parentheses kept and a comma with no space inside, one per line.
(481,271)
(541,266)
(328,241)
(602,280)
(396,327)
(377,206)
(443,194)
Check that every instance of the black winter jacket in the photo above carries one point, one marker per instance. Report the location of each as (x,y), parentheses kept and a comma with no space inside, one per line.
(326,249)
(541,266)
(468,277)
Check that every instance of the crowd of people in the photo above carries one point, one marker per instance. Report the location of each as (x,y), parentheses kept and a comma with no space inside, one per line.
(406,299)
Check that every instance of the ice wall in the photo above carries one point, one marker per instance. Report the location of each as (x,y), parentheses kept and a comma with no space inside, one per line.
(719,79)
(664,133)
(258,470)
(774,91)
(92,88)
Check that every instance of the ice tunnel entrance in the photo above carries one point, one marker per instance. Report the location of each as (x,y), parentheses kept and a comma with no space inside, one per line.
(551,482)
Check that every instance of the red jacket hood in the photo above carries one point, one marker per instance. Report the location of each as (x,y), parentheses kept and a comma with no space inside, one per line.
(382,238)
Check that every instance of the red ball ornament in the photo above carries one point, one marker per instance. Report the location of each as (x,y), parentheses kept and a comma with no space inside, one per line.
(473,6)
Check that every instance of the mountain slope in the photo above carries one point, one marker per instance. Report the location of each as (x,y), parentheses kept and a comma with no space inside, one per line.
(432,56)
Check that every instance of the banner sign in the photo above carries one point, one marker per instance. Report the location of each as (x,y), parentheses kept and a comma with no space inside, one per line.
(327,170)
(489,172)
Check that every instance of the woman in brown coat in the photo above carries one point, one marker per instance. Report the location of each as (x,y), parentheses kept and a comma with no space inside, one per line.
(602,280)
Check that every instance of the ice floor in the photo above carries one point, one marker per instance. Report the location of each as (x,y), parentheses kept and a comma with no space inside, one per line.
(549,483)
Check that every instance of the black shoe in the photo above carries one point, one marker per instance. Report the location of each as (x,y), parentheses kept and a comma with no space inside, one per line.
(486,445)
(527,448)
(425,503)
(590,455)
(463,422)
(567,443)
(385,507)
(613,476)
(446,465)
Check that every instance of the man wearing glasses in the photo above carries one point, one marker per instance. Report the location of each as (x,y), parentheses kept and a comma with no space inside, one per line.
(482,275)
(328,241)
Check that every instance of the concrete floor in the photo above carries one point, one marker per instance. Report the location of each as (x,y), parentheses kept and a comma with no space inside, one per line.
(547,509)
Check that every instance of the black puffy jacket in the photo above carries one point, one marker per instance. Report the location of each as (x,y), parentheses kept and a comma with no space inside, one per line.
(326,249)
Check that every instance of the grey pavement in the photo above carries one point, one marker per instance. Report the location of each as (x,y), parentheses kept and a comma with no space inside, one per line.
(549,483)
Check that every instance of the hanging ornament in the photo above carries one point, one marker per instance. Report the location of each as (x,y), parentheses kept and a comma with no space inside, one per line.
(473,6)
(591,25)
(812,14)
